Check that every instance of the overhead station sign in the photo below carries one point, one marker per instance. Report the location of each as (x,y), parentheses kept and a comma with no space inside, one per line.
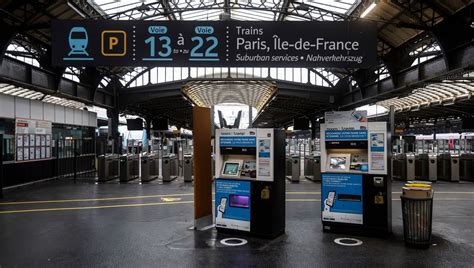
(213,43)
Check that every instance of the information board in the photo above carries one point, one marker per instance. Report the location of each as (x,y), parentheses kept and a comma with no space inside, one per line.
(212,43)
(33,139)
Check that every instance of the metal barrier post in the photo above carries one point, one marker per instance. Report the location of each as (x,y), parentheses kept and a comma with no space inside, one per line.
(74,148)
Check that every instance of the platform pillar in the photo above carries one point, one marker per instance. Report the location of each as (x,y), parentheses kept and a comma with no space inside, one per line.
(202,125)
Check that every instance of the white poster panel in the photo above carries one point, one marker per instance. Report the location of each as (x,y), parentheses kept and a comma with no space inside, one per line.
(33,137)
(265,153)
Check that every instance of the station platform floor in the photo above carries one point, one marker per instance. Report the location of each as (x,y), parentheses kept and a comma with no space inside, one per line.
(62,224)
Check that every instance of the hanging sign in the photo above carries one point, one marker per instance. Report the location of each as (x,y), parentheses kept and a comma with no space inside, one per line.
(214,43)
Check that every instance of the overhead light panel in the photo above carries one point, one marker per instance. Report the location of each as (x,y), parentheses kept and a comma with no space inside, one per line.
(367,11)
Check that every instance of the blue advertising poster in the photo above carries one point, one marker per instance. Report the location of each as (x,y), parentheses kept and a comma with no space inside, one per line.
(341,196)
(238,141)
(232,205)
(377,142)
(346,135)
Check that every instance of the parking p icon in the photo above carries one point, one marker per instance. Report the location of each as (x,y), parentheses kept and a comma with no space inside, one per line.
(114,43)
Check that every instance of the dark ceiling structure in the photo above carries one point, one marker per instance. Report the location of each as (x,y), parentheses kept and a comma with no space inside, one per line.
(420,43)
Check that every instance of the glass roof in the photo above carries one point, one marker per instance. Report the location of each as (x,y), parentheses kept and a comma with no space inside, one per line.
(20,92)
(209,93)
(258,10)
(445,93)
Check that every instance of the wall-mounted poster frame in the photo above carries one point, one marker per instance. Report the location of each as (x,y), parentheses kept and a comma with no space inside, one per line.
(33,139)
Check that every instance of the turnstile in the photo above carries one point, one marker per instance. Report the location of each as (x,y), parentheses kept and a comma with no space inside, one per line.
(455,167)
(410,166)
(421,167)
(295,169)
(399,170)
(312,168)
(317,168)
(444,167)
(169,168)
(467,167)
(432,167)
(288,166)
(188,168)
(129,167)
(108,167)
(308,166)
(150,166)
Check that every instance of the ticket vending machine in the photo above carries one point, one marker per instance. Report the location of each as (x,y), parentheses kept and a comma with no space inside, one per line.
(250,181)
(355,187)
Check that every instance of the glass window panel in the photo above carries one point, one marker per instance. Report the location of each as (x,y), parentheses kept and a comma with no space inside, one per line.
(169,74)
(281,73)
(194,72)
(273,73)
(161,75)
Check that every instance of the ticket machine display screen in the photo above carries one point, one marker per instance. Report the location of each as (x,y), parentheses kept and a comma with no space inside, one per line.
(240,201)
(231,168)
(338,163)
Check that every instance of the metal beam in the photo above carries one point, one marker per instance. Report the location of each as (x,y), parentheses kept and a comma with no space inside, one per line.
(27,76)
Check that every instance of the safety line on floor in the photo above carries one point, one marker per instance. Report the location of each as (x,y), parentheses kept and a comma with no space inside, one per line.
(93,199)
(94,207)
(171,203)
(165,195)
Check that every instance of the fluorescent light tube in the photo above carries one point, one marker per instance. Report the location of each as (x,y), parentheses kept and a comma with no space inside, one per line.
(367,11)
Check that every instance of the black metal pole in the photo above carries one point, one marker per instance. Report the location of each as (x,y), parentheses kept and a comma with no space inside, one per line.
(75,158)
(1,165)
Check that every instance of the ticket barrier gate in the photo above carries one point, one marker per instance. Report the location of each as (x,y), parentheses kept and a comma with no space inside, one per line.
(169,168)
(432,167)
(308,165)
(399,170)
(150,166)
(188,168)
(467,167)
(455,167)
(288,166)
(312,168)
(108,167)
(295,169)
(444,167)
(421,167)
(410,166)
(129,167)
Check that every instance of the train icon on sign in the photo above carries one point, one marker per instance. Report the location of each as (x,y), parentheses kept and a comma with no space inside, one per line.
(78,40)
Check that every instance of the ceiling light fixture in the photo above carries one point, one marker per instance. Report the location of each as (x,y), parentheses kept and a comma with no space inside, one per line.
(367,11)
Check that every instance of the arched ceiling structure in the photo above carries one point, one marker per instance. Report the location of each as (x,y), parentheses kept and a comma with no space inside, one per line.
(407,32)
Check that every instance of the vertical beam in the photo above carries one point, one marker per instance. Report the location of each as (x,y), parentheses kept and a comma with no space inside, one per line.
(250,116)
(148,134)
(391,133)
(313,128)
(202,167)
(113,131)
(213,124)
(113,115)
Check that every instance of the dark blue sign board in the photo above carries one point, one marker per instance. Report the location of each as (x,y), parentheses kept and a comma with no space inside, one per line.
(237,141)
(345,135)
(212,43)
